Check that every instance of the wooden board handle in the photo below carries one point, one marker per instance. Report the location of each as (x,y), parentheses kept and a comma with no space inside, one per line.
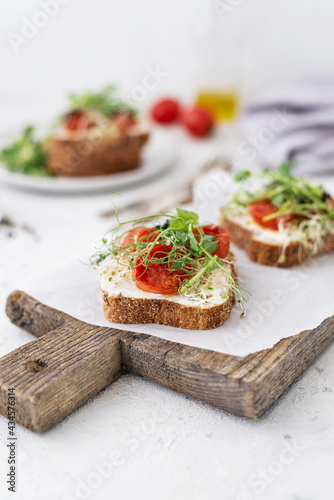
(33,316)
(81,359)
(53,375)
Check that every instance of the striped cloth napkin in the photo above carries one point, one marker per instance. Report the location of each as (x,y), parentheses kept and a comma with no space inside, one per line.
(293,124)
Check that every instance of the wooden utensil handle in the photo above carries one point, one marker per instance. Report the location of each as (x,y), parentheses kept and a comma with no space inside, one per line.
(73,360)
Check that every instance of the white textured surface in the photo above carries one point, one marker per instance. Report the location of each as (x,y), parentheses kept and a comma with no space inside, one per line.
(138,440)
(118,41)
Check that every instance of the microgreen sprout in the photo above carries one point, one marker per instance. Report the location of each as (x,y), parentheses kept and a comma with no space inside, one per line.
(107,102)
(291,195)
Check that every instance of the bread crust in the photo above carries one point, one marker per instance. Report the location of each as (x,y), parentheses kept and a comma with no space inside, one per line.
(268,254)
(164,312)
(119,309)
(97,155)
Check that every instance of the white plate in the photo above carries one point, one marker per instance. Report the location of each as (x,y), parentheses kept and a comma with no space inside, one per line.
(157,156)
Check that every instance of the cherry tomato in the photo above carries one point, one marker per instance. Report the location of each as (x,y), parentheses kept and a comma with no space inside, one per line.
(198,121)
(165,111)
(261,209)
(142,234)
(222,236)
(157,277)
(77,120)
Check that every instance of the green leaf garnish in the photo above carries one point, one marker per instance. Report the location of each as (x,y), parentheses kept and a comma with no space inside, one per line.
(107,102)
(242,175)
(291,195)
(285,169)
(26,155)
(277,199)
(187,215)
(210,247)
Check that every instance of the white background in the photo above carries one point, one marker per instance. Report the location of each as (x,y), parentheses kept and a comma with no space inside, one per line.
(137,439)
(90,42)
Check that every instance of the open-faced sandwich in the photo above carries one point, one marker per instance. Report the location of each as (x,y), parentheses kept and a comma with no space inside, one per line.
(178,273)
(98,134)
(282,221)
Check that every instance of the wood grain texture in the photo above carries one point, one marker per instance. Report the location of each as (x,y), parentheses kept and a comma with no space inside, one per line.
(77,360)
(72,361)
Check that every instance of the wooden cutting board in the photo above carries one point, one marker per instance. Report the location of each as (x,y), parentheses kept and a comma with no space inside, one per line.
(71,361)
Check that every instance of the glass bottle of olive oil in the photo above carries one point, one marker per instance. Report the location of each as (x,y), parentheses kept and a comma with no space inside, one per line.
(222,104)
(215,75)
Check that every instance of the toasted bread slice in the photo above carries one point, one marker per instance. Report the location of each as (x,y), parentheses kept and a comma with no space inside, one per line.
(123,302)
(94,155)
(261,247)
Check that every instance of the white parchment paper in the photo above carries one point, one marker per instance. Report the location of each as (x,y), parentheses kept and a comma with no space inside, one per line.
(284,301)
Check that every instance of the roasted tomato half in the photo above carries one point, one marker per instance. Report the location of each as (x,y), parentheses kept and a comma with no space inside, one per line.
(142,234)
(261,209)
(77,120)
(222,236)
(124,121)
(158,276)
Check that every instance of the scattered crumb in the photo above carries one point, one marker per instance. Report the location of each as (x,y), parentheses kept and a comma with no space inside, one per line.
(8,228)
(6,221)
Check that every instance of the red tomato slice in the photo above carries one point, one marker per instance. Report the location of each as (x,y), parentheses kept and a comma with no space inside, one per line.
(165,111)
(77,120)
(261,209)
(124,121)
(222,236)
(142,234)
(157,277)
